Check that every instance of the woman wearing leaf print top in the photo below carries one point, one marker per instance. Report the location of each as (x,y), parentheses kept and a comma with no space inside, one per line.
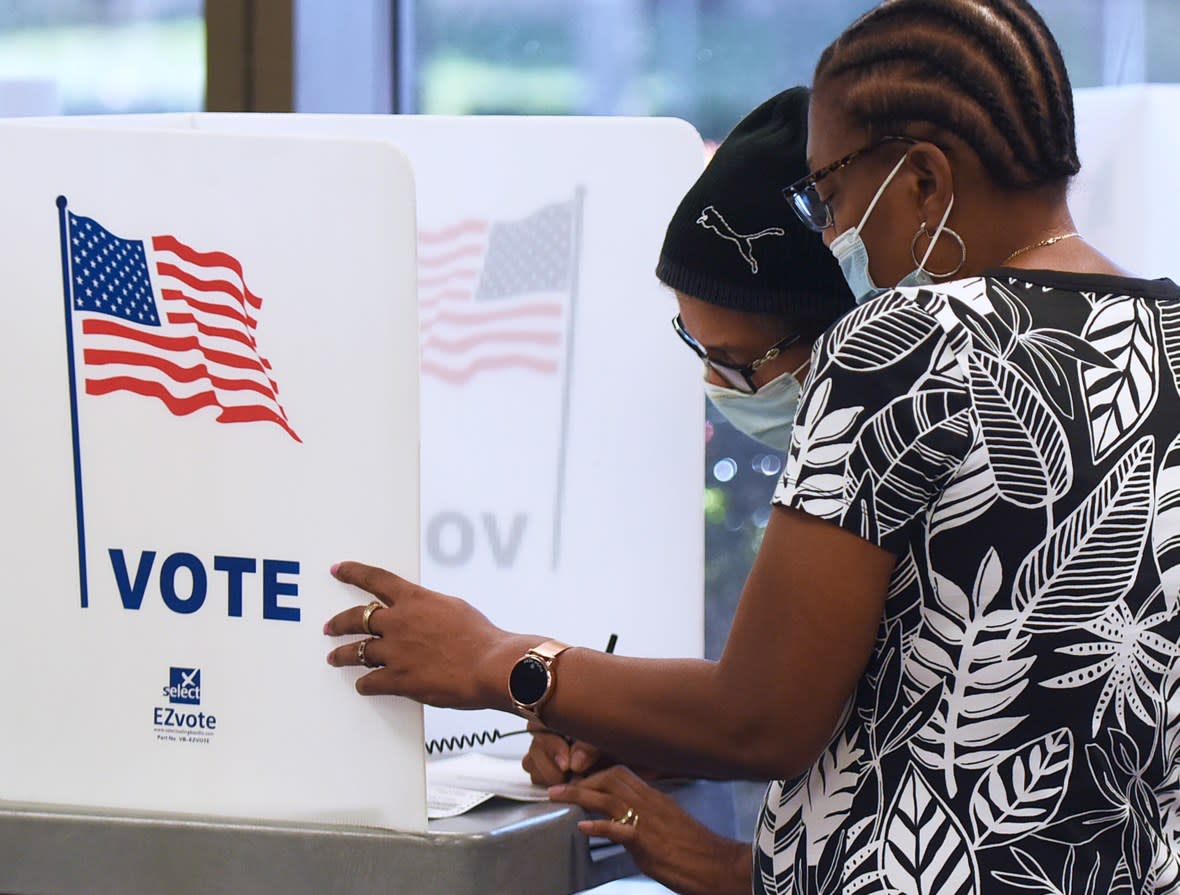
(1009,437)
(960,630)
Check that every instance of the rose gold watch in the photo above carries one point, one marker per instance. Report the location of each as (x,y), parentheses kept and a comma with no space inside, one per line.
(532,681)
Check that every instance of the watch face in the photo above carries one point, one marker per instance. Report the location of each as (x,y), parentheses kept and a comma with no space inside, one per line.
(529,680)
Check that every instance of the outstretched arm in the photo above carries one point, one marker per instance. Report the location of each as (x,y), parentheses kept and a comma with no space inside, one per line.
(804,630)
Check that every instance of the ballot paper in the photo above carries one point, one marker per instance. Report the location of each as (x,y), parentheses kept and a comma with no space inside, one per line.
(456,785)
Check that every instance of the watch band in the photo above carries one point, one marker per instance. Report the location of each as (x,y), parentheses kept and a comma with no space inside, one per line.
(546,654)
(549,650)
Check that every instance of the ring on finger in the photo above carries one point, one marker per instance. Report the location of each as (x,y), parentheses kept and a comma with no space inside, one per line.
(361,646)
(367,617)
(629,819)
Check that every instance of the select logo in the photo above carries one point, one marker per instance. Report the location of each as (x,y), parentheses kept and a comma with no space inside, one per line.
(182,721)
(184,686)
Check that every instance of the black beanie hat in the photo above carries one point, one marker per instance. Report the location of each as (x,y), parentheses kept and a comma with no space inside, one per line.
(735,241)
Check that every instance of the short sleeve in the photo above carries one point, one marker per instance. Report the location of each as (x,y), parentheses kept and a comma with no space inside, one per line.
(884,422)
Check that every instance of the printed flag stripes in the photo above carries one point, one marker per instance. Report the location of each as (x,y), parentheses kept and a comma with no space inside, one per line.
(193,348)
(492,295)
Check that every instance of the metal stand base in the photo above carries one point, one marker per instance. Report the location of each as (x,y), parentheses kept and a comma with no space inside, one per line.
(504,848)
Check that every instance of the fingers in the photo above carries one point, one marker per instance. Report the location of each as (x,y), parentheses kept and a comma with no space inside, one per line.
(583,757)
(380,583)
(383,585)
(542,769)
(621,781)
(548,757)
(592,800)
(609,792)
(623,834)
(552,757)
(616,788)
(372,655)
(352,621)
(610,795)
(430,647)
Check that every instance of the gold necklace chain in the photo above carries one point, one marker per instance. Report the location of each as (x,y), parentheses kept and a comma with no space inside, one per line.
(1043,243)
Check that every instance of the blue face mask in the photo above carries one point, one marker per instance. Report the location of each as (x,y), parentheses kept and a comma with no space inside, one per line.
(768,415)
(852,254)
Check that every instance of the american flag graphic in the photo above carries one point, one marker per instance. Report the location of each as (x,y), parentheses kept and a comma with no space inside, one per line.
(194,348)
(493,295)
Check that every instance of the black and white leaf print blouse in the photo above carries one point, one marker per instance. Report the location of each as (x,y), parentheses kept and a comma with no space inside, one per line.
(1014,440)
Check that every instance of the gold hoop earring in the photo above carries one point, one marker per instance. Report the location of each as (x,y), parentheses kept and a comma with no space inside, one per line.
(946,231)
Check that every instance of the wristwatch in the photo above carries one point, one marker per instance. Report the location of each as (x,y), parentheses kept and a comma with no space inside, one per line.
(531,683)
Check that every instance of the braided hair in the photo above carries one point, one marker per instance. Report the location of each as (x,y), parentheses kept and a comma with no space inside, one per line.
(986,71)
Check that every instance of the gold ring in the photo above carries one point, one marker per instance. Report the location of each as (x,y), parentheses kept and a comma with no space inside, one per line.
(630,819)
(367,617)
(361,646)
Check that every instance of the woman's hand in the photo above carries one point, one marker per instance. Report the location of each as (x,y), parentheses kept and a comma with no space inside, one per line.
(552,758)
(432,648)
(666,842)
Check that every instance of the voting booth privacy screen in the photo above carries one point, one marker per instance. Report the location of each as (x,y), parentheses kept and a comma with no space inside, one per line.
(229,324)
(210,394)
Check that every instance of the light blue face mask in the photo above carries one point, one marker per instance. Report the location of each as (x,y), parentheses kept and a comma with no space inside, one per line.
(768,415)
(853,256)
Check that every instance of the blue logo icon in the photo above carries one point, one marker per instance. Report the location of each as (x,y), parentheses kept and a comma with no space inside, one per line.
(184,686)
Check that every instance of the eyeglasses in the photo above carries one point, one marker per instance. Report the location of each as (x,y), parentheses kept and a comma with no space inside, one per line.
(741,378)
(804,197)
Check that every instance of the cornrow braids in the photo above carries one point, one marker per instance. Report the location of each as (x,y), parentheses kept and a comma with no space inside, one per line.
(1050,62)
(986,71)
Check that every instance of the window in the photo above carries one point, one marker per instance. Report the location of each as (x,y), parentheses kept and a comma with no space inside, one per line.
(94,56)
(707,61)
